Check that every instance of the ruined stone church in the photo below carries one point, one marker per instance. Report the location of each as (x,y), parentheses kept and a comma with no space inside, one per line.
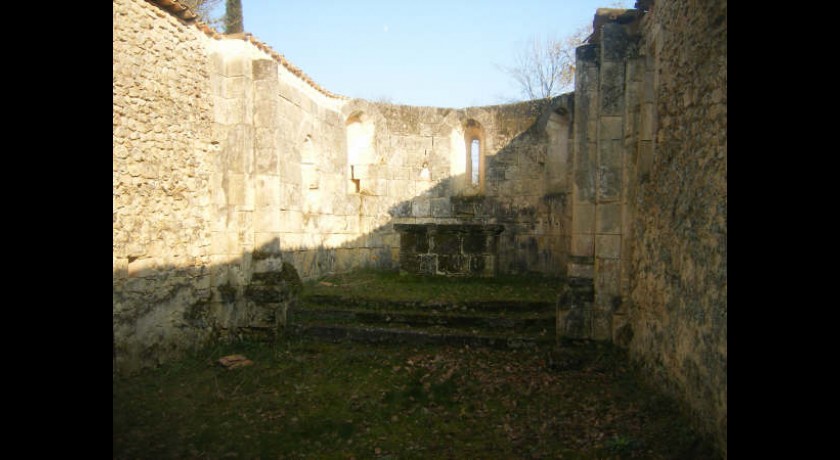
(234,173)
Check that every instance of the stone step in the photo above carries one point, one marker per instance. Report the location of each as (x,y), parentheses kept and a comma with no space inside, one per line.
(376,335)
(486,306)
(521,323)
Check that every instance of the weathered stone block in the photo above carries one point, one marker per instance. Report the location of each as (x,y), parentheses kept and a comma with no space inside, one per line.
(608,246)
(267,191)
(447,243)
(230,111)
(610,154)
(645,159)
(264,69)
(583,218)
(577,270)
(428,264)
(268,241)
(268,219)
(611,90)
(609,183)
(235,148)
(614,42)
(233,87)
(291,221)
(290,172)
(236,65)
(610,128)
(441,207)
(647,122)
(421,207)
(608,218)
(588,54)
(475,243)
(266,161)
(265,113)
(452,264)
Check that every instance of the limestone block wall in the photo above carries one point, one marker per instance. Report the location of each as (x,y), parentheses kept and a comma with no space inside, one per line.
(419,172)
(450,250)
(678,275)
(604,145)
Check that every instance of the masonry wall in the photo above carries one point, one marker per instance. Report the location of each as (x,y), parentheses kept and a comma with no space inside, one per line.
(419,171)
(234,174)
(202,192)
(163,113)
(647,260)
(678,263)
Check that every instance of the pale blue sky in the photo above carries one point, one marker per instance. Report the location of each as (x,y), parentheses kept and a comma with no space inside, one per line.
(442,53)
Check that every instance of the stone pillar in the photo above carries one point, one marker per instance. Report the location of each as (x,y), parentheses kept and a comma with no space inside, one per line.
(233,197)
(232,180)
(574,306)
(609,179)
(267,164)
(603,120)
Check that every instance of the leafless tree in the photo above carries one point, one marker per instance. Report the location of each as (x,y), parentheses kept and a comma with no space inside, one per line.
(546,66)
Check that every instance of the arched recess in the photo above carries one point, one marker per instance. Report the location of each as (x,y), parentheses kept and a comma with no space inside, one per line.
(309,168)
(558,160)
(476,152)
(310,175)
(360,149)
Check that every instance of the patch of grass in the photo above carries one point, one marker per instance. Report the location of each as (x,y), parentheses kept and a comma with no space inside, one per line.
(307,399)
(371,284)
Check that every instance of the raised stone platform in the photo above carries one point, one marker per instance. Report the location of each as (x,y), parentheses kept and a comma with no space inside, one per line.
(450,250)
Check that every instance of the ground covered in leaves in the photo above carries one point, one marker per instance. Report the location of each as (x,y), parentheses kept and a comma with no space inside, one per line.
(305,399)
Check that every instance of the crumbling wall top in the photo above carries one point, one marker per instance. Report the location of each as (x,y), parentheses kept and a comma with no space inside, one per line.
(182,12)
(608,15)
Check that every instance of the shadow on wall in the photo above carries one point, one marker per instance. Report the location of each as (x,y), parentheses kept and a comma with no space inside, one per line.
(515,193)
(162,311)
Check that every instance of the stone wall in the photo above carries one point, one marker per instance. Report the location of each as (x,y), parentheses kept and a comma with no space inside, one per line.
(449,250)
(388,164)
(234,172)
(647,261)
(163,113)
(187,266)
(423,154)
(678,263)
(231,164)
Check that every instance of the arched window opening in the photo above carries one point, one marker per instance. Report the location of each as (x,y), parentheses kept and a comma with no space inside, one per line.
(475,145)
(475,155)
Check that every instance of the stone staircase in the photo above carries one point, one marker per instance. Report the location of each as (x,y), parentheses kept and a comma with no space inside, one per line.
(496,323)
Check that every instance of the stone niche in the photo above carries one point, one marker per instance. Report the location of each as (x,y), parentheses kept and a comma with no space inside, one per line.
(449,250)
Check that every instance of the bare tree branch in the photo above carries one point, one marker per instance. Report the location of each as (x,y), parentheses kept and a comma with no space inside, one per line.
(546,66)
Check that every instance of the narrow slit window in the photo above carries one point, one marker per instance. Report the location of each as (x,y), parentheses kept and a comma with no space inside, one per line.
(475,152)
